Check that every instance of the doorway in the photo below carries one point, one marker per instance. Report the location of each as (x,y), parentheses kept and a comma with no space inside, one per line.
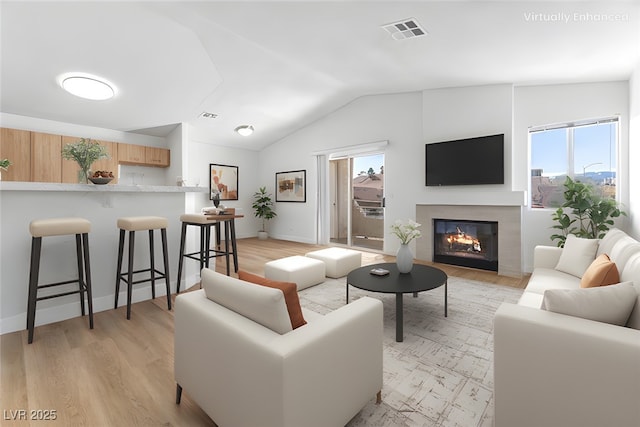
(356,187)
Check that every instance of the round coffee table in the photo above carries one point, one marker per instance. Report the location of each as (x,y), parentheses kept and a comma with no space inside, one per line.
(420,278)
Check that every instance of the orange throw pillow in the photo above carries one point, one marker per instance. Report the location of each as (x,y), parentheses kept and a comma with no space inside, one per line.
(601,272)
(290,291)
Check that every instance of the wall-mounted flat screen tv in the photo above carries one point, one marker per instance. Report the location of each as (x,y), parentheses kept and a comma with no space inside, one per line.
(470,161)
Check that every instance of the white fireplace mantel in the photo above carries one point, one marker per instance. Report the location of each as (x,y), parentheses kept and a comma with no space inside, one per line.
(479,197)
(508,217)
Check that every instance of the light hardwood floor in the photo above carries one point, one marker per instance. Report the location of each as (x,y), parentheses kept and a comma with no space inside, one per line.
(121,372)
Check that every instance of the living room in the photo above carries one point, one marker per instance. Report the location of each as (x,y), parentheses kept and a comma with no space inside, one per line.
(398,122)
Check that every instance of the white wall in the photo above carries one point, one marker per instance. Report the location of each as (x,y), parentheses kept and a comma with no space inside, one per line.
(410,120)
(199,154)
(396,118)
(540,105)
(634,152)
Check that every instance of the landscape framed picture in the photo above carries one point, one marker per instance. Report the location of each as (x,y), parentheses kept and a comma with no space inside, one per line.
(224,180)
(291,186)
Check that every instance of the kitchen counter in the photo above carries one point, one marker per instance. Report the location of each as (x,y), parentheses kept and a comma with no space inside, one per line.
(102,205)
(117,188)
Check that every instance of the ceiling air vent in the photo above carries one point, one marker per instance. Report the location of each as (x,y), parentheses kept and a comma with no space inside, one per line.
(405,29)
(208,115)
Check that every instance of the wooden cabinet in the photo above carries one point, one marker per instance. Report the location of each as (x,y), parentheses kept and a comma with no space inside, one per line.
(37,157)
(70,168)
(130,154)
(110,164)
(46,157)
(15,145)
(157,156)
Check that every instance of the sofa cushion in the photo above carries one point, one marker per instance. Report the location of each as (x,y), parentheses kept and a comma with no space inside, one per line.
(262,304)
(609,304)
(622,250)
(577,255)
(631,272)
(609,239)
(550,278)
(601,272)
(289,290)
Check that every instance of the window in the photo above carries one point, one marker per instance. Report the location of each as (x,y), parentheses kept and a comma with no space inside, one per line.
(583,151)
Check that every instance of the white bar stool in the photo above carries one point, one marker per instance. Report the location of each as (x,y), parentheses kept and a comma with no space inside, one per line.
(59,227)
(142,223)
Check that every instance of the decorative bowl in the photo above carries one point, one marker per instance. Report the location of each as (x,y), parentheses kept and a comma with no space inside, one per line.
(100,181)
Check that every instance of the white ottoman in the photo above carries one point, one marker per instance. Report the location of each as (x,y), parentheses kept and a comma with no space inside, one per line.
(302,271)
(338,262)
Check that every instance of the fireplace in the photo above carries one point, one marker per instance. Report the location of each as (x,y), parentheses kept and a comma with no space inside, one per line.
(466,243)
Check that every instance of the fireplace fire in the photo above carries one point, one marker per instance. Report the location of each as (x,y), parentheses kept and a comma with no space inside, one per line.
(466,243)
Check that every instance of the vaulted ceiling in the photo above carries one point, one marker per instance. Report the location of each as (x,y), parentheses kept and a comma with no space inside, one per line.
(281,65)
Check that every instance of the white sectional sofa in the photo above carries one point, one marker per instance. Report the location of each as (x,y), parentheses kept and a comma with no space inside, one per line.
(238,357)
(553,369)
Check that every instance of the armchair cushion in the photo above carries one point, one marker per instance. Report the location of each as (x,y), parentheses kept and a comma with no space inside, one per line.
(290,291)
(608,304)
(577,255)
(263,305)
(601,272)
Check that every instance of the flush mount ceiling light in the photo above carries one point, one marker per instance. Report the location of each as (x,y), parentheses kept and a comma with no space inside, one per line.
(405,29)
(244,130)
(87,86)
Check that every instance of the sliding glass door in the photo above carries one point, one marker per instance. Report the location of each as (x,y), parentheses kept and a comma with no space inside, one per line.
(357,201)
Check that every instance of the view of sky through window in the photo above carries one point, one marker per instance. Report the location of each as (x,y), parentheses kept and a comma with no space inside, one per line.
(363,163)
(586,153)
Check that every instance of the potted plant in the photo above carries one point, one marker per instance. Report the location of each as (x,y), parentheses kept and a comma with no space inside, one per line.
(4,165)
(406,232)
(84,152)
(591,215)
(262,206)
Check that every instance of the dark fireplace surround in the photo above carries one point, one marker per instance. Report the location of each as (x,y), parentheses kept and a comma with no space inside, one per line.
(466,243)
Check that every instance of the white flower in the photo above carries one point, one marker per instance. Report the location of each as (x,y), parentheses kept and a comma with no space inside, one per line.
(406,232)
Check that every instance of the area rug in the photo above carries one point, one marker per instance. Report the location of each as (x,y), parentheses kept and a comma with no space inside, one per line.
(442,373)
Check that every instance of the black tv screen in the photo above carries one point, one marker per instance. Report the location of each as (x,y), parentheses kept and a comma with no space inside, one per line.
(470,161)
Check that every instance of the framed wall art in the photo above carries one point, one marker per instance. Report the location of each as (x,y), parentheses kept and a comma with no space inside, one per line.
(291,186)
(223,180)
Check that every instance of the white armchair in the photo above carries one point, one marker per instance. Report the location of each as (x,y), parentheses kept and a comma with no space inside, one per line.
(244,374)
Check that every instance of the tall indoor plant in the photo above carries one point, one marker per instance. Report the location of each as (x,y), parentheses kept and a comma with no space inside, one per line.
(85,152)
(263,209)
(590,215)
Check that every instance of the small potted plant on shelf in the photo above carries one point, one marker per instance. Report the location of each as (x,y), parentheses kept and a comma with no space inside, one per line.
(262,206)
(4,165)
(85,152)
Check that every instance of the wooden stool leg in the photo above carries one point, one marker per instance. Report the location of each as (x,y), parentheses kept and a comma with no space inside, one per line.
(226,245)
(202,243)
(207,245)
(234,246)
(153,265)
(81,282)
(36,246)
(119,268)
(165,253)
(132,237)
(181,256)
(87,269)
(178,393)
